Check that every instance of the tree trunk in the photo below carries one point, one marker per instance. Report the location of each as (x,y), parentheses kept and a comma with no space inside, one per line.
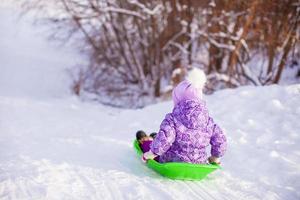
(234,55)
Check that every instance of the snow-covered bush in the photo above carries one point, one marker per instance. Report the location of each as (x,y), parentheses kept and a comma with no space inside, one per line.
(134,46)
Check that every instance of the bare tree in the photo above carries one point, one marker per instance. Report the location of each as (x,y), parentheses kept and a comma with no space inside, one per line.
(134,46)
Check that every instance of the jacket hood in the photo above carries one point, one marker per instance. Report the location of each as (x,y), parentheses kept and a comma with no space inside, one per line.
(191,113)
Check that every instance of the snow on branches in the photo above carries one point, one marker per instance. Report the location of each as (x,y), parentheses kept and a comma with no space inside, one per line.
(134,46)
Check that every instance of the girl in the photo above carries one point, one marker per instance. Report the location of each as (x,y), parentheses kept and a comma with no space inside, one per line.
(186,132)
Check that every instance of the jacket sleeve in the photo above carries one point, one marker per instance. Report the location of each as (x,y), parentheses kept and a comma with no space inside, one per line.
(165,137)
(218,139)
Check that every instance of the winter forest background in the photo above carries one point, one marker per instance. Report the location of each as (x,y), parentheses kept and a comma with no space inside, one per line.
(138,50)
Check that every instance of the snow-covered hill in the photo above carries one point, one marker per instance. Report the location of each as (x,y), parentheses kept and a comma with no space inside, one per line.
(53,146)
(66,149)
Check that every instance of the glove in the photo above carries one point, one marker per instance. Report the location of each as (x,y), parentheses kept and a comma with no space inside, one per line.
(148,155)
(214,159)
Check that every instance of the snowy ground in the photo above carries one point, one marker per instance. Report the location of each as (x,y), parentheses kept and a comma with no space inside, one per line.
(65,149)
(53,146)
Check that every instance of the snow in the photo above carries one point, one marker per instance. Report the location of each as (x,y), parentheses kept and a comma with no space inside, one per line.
(123,11)
(212,3)
(154,11)
(67,149)
(30,65)
(289,75)
(54,146)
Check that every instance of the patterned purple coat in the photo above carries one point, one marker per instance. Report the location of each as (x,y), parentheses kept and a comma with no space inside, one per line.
(186,132)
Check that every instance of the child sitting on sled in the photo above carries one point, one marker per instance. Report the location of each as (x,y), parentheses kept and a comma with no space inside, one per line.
(145,141)
(186,132)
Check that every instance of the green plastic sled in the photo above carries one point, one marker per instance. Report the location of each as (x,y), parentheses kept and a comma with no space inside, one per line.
(177,170)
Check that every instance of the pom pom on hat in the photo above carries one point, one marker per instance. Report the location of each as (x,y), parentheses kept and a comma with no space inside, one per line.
(197,78)
(191,88)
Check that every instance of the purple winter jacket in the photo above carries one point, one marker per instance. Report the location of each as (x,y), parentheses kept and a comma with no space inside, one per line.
(145,146)
(186,132)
